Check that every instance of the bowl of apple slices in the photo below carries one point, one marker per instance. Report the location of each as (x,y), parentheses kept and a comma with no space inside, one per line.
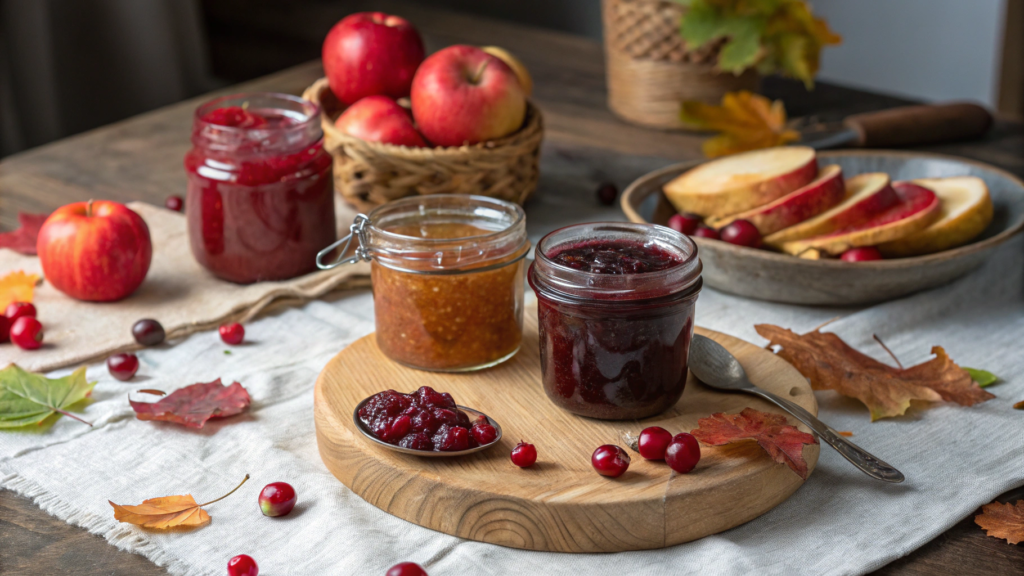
(845,227)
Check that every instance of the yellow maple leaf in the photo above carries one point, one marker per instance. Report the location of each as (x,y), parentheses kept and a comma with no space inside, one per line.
(17,287)
(167,511)
(745,121)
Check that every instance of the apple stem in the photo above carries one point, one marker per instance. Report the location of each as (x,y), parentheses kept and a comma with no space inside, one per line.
(475,78)
(244,480)
(88,209)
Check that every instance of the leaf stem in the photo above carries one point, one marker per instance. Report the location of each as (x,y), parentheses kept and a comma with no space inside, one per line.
(244,480)
(879,340)
(823,324)
(72,416)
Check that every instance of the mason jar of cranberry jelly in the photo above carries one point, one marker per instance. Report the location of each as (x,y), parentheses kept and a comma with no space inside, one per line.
(260,198)
(615,306)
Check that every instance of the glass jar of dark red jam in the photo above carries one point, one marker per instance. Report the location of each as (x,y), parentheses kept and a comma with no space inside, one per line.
(615,305)
(260,198)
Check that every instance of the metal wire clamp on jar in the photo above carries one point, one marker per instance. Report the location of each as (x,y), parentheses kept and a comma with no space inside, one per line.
(447,274)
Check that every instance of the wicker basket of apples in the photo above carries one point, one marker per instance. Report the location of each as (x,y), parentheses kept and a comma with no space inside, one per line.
(398,124)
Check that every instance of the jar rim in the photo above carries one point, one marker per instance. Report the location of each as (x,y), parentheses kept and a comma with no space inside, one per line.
(575,283)
(262,139)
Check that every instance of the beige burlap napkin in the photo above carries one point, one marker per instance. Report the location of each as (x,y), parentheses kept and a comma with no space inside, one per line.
(178,292)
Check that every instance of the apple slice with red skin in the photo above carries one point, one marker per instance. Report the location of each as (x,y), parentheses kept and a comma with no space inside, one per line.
(826,191)
(742,181)
(966,212)
(866,195)
(917,209)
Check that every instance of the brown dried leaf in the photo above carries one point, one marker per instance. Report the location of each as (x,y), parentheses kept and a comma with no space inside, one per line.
(784,443)
(745,121)
(168,511)
(1003,521)
(831,364)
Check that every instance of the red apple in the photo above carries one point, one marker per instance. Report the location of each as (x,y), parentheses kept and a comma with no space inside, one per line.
(98,251)
(371,53)
(463,95)
(380,119)
(826,191)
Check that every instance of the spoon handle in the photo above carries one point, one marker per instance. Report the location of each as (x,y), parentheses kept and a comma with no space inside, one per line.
(857,456)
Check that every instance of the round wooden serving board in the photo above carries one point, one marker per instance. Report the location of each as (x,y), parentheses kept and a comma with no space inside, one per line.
(560,504)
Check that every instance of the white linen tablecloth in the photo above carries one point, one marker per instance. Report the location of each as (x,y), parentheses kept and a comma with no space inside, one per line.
(840,522)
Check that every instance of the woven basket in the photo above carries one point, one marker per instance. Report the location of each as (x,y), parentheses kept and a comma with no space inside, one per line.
(650,69)
(368,174)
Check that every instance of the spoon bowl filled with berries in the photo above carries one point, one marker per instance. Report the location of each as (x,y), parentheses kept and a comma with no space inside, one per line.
(425,423)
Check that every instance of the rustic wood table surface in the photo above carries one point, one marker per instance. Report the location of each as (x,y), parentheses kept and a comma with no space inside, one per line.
(141,159)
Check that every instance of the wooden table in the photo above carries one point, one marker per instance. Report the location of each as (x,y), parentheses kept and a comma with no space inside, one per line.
(140,159)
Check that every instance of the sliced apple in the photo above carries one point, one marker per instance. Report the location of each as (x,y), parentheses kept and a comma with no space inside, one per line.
(866,195)
(742,181)
(822,193)
(966,212)
(918,208)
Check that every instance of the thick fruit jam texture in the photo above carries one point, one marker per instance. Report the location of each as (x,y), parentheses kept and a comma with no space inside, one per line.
(616,257)
(447,322)
(615,357)
(257,215)
(424,420)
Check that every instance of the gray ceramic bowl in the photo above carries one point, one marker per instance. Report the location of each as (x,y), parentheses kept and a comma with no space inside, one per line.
(782,278)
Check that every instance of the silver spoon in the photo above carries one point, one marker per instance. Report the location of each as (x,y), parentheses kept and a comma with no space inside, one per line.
(473,415)
(713,365)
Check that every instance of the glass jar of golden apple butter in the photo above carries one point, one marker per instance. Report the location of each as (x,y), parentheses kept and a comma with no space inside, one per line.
(447,273)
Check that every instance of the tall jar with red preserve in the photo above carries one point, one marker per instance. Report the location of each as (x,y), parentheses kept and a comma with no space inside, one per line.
(615,310)
(260,198)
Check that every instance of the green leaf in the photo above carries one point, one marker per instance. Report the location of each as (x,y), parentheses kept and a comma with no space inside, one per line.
(701,24)
(744,46)
(227,352)
(27,398)
(982,377)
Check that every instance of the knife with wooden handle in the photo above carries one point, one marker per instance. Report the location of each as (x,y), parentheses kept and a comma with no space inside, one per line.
(905,126)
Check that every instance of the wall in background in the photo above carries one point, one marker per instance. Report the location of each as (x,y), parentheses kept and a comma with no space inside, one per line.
(926,49)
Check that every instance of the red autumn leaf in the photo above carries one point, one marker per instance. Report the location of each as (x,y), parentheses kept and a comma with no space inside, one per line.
(193,405)
(23,240)
(831,364)
(784,443)
(1003,521)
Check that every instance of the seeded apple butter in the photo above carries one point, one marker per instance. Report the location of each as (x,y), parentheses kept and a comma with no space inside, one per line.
(260,200)
(447,274)
(615,309)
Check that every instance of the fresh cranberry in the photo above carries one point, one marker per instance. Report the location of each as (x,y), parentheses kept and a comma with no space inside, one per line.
(524,455)
(684,223)
(232,334)
(683,453)
(5,329)
(406,569)
(610,460)
(862,254)
(123,366)
(653,442)
(27,333)
(607,193)
(16,310)
(483,433)
(741,233)
(242,565)
(703,231)
(148,332)
(174,203)
(277,499)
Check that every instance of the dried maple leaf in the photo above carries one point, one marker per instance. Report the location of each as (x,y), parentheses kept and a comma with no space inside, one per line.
(745,121)
(193,405)
(1003,521)
(1019,405)
(831,364)
(168,511)
(23,240)
(17,287)
(27,398)
(784,443)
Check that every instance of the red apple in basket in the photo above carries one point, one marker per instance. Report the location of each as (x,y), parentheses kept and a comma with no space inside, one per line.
(463,95)
(371,53)
(98,251)
(380,119)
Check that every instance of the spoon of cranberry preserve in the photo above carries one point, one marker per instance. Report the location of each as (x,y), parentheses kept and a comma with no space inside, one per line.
(713,365)
(425,423)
